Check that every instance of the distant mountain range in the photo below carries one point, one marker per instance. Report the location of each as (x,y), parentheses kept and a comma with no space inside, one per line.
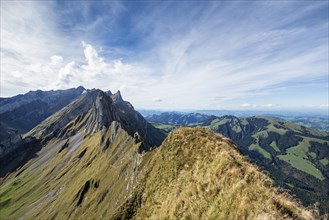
(23,112)
(97,157)
(314,120)
(175,118)
(296,157)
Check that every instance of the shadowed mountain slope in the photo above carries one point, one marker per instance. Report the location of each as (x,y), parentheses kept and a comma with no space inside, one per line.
(23,112)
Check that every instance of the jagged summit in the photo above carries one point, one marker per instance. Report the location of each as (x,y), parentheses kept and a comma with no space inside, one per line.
(117,97)
(102,113)
(109,93)
(81,88)
(95,111)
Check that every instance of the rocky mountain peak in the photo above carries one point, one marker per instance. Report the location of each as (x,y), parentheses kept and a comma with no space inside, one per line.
(117,98)
(95,111)
(102,113)
(81,88)
(109,93)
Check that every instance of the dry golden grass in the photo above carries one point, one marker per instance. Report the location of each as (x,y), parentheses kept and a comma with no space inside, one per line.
(194,174)
(197,174)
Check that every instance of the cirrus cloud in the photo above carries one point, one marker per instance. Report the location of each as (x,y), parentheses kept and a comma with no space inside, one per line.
(212,56)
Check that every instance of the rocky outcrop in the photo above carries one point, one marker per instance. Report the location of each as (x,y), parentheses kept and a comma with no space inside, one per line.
(10,139)
(117,98)
(102,113)
(15,151)
(96,111)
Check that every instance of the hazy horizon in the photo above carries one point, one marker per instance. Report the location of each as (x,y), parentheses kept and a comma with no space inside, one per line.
(245,108)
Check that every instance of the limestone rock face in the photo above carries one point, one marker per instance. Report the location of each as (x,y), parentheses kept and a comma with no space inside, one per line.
(10,140)
(103,113)
(117,98)
(96,111)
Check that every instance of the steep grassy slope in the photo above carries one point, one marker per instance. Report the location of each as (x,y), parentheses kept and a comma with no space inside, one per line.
(87,160)
(166,128)
(194,174)
(74,178)
(295,156)
(197,174)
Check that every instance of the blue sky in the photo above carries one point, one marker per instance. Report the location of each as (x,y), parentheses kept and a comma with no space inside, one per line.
(171,55)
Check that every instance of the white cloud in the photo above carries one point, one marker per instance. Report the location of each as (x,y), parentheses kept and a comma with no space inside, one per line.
(67,74)
(206,57)
(270,105)
(95,65)
(56,60)
(248,105)
(123,87)
(157,99)
(218,58)
(30,41)
(96,70)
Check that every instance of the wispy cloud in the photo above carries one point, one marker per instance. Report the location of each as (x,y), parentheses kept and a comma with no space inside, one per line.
(29,40)
(269,105)
(190,54)
(157,99)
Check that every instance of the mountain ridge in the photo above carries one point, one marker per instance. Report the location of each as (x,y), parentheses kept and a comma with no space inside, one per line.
(75,178)
(210,182)
(296,157)
(94,111)
(97,110)
(20,112)
(98,157)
